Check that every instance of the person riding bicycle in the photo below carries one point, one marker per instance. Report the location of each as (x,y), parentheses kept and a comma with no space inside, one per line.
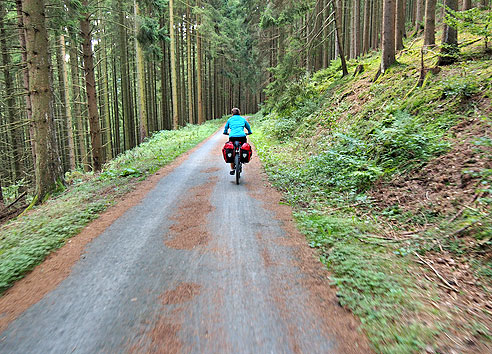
(237,124)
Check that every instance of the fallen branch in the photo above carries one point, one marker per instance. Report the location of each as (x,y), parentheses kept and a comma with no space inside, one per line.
(465,44)
(12,212)
(458,214)
(457,232)
(16,200)
(437,273)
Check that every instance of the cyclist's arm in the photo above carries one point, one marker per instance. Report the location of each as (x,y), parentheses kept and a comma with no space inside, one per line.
(248,127)
(226,128)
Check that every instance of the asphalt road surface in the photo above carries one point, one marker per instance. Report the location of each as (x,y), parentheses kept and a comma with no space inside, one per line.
(199,265)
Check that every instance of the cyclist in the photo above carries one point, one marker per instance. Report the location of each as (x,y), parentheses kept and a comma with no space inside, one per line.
(237,124)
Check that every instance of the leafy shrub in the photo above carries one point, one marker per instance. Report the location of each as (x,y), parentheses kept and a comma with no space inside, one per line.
(460,87)
(403,140)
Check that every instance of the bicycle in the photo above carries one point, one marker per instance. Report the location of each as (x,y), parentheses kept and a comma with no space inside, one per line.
(238,164)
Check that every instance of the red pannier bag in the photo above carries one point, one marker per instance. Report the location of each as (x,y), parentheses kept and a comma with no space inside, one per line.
(228,152)
(246,153)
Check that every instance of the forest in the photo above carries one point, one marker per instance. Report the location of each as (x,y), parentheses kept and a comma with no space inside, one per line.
(114,72)
(370,117)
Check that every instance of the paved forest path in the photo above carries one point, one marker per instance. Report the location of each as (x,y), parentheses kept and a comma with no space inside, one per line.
(199,265)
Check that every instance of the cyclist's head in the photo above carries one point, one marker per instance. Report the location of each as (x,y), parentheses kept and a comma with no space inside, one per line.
(236,112)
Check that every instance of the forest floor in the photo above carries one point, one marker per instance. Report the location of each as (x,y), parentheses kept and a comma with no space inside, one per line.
(391,184)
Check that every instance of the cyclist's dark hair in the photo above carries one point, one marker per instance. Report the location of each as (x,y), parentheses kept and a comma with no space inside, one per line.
(236,112)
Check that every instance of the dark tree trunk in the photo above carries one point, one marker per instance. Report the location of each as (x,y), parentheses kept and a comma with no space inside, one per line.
(399,24)
(449,49)
(90,84)
(430,23)
(10,99)
(48,165)
(388,38)
(337,9)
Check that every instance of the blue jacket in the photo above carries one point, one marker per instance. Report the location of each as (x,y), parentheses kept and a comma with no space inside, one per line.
(237,125)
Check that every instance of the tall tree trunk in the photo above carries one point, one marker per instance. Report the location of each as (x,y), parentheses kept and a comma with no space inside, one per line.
(449,47)
(90,84)
(190,69)
(356,29)
(388,38)
(106,104)
(77,98)
(430,23)
(117,141)
(367,28)
(419,16)
(337,9)
(166,121)
(467,5)
(25,75)
(125,77)
(48,165)
(139,58)
(64,95)
(199,71)
(174,81)
(399,24)
(13,118)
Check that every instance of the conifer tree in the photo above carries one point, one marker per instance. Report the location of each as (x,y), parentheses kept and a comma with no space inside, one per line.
(48,165)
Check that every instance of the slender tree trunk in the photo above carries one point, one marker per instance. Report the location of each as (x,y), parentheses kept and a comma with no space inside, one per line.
(449,47)
(190,69)
(467,5)
(25,76)
(116,110)
(125,76)
(77,98)
(337,7)
(13,118)
(356,29)
(430,23)
(90,83)
(199,71)
(106,104)
(388,55)
(166,122)
(64,94)
(419,16)
(399,24)
(367,29)
(139,57)
(174,80)
(48,165)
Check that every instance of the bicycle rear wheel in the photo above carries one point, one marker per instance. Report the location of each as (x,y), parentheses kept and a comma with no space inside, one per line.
(237,163)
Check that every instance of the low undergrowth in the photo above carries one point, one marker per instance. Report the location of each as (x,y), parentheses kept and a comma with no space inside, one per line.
(27,240)
(341,148)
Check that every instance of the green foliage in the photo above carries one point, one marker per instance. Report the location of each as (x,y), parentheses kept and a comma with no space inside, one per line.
(326,140)
(279,17)
(26,241)
(360,272)
(460,87)
(474,21)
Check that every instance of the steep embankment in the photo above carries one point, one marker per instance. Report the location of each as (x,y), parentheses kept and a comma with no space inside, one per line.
(391,181)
